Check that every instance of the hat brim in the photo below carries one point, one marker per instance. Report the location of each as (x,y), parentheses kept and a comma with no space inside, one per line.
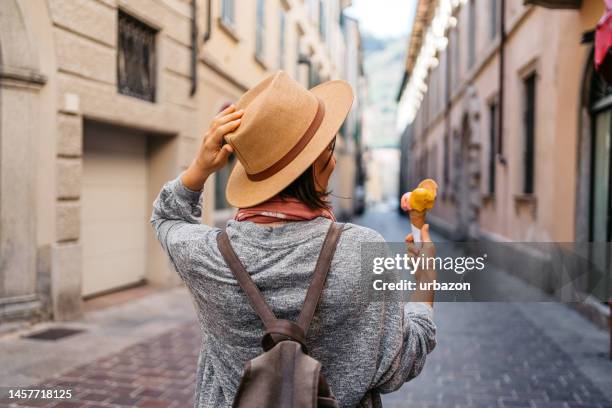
(241,192)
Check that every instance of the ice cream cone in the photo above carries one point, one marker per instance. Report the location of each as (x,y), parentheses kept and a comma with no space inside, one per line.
(417,218)
(417,203)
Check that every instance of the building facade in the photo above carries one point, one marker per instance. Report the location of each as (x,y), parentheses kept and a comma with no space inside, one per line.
(101,102)
(501,105)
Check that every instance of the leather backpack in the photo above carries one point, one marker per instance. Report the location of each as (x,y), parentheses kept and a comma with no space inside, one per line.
(284,375)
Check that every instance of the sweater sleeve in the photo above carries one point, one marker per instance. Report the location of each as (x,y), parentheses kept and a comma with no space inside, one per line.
(405,350)
(176,219)
(405,331)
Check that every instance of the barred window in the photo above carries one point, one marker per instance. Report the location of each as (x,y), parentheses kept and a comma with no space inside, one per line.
(136,58)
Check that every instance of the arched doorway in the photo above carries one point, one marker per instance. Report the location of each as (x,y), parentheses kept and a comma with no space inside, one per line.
(466,182)
(463,203)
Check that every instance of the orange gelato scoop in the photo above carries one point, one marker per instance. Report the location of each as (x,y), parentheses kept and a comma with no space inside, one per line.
(429,184)
(421,199)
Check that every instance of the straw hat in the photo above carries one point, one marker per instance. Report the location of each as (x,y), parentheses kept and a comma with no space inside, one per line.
(284,129)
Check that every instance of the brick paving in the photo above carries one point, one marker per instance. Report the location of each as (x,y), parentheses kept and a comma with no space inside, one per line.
(154,374)
(489,355)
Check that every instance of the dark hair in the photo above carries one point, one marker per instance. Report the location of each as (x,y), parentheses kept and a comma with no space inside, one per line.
(304,188)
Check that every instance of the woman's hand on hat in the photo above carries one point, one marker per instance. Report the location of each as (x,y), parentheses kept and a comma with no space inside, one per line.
(212,154)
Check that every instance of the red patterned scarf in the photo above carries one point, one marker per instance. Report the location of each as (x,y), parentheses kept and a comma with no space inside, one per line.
(281,209)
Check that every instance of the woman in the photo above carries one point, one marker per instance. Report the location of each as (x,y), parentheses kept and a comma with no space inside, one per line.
(283,137)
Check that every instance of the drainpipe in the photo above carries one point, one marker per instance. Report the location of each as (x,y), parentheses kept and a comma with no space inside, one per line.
(194,47)
(502,43)
(447,127)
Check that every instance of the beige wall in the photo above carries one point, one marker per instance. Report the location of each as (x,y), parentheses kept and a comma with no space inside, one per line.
(58,73)
(540,40)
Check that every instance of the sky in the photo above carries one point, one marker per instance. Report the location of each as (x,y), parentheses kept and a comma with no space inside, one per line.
(384,18)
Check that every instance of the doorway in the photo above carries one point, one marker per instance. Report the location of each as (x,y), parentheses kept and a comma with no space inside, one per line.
(114,208)
(601,191)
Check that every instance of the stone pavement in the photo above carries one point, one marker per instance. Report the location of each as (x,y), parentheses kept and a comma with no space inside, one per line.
(143,354)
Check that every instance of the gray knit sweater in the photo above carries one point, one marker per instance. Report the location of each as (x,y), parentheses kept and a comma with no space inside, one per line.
(366,348)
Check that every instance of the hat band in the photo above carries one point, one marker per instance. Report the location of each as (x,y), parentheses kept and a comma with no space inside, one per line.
(295,150)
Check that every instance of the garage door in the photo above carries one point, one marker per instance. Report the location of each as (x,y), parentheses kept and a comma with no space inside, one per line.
(114,209)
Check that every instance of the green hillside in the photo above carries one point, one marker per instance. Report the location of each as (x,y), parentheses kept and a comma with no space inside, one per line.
(384,67)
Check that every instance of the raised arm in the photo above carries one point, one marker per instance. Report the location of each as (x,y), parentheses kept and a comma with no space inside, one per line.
(178,208)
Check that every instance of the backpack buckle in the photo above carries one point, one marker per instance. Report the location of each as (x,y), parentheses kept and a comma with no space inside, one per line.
(283,330)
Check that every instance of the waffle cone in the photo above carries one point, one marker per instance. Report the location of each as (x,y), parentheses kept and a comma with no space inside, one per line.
(417,218)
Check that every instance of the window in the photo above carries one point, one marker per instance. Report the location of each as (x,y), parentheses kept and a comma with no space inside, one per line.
(529,124)
(493,18)
(136,58)
(472,34)
(227,13)
(445,87)
(314,78)
(322,21)
(221,178)
(433,172)
(260,30)
(456,58)
(493,109)
(436,89)
(312,9)
(446,163)
(281,39)
(298,54)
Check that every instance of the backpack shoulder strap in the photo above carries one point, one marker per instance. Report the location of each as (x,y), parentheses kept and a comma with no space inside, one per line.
(245,281)
(320,275)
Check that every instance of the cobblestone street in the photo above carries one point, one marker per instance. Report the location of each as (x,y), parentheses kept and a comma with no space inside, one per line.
(505,354)
(159,373)
(488,355)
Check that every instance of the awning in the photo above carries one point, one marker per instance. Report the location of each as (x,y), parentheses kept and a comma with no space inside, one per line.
(603,44)
(556,4)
